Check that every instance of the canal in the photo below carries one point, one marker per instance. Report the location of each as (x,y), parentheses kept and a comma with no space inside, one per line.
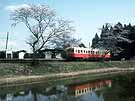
(116,88)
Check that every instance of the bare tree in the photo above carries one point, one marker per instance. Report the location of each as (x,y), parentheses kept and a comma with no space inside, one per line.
(43,24)
(64,41)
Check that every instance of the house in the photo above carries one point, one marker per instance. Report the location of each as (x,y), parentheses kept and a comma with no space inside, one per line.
(52,53)
(21,54)
(2,54)
(9,54)
(48,54)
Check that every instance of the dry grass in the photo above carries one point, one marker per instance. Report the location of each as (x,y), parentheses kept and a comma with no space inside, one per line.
(44,68)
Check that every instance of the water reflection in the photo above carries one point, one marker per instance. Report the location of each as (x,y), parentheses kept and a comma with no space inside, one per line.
(83,89)
(121,88)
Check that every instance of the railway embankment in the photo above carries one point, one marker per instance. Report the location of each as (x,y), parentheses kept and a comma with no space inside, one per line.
(93,74)
(25,73)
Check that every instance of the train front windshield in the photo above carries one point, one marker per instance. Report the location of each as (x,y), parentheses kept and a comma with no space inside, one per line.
(70,50)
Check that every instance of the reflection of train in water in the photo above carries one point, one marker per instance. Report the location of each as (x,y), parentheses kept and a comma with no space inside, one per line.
(58,93)
(87,53)
(78,90)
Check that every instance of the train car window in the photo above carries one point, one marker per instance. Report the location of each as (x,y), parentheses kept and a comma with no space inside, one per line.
(79,91)
(89,52)
(84,51)
(78,51)
(81,51)
(99,52)
(92,52)
(71,50)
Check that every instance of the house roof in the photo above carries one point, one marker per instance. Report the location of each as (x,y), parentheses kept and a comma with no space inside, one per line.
(52,50)
(21,51)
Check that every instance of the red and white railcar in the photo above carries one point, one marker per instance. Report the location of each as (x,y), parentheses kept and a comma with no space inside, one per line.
(86,53)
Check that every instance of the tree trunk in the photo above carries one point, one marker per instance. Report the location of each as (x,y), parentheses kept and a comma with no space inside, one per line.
(35,61)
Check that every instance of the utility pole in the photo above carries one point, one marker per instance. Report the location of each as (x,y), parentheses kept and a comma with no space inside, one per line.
(7,40)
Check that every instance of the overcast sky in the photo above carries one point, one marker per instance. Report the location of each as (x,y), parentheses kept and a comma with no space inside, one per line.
(88,16)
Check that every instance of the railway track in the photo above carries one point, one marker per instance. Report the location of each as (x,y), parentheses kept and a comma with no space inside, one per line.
(30,60)
(42,60)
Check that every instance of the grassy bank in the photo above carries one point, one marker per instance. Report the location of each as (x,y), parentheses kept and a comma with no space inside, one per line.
(62,77)
(13,69)
(24,73)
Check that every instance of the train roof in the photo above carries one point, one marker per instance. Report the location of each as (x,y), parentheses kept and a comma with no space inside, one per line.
(82,48)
